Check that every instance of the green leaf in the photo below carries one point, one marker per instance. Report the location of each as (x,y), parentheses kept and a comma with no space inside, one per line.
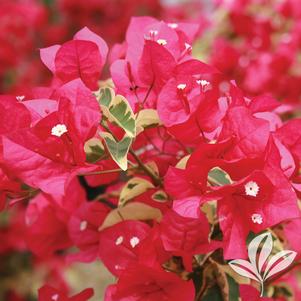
(225,287)
(233,289)
(105,96)
(213,294)
(117,110)
(94,150)
(118,149)
(219,177)
(160,196)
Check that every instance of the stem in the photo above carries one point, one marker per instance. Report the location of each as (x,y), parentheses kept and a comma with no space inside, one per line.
(148,92)
(261,288)
(141,105)
(156,179)
(105,171)
(102,198)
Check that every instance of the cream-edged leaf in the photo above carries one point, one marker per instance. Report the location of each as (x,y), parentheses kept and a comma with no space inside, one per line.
(147,118)
(118,149)
(132,211)
(244,268)
(118,110)
(253,249)
(133,188)
(160,196)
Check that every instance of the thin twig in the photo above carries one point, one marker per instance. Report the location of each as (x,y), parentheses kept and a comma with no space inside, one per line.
(100,172)
(157,181)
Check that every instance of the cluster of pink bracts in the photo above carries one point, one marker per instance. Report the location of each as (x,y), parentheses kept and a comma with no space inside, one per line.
(207,126)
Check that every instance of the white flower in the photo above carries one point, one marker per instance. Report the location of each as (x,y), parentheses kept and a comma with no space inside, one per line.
(173,25)
(119,241)
(251,188)
(153,32)
(181,86)
(55,297)
(20,98)
(188,46)
(59,130)
(202,82)
(161,42)
(83,225)
(134,241)
(257,218)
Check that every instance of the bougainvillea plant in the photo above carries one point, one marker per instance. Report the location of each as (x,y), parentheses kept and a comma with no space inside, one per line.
(190,169)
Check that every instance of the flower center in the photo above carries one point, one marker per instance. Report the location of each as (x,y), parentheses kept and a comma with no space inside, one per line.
(251,188)
(257,218)
(161,42)
(83,225)
(20,98)
(188,46)
(153,32)
(173,25)
(119,241)
(59,130)
(134,241)
(55,297)
(181,86)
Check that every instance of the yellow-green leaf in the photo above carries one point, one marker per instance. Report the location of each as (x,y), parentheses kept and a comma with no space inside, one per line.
(147,118)
(94,150)
(182,163)
(132,211)
(218,177)
(118,149)
(133,188)
(118,110)
(160,196)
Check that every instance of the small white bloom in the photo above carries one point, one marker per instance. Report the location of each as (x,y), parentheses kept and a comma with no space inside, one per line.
(161,42)
(257,218)
(188,46)
(119,241)
(134,241)
(59,130)
(173,25)
(153,32)
(204,84)
(180,153)
(83,225)
(20,98)
(251,188)
(181,86)
(55,297)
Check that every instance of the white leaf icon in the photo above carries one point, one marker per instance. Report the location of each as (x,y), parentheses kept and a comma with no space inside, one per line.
(279,262)
(266,250)
(259,250)
(247,270)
